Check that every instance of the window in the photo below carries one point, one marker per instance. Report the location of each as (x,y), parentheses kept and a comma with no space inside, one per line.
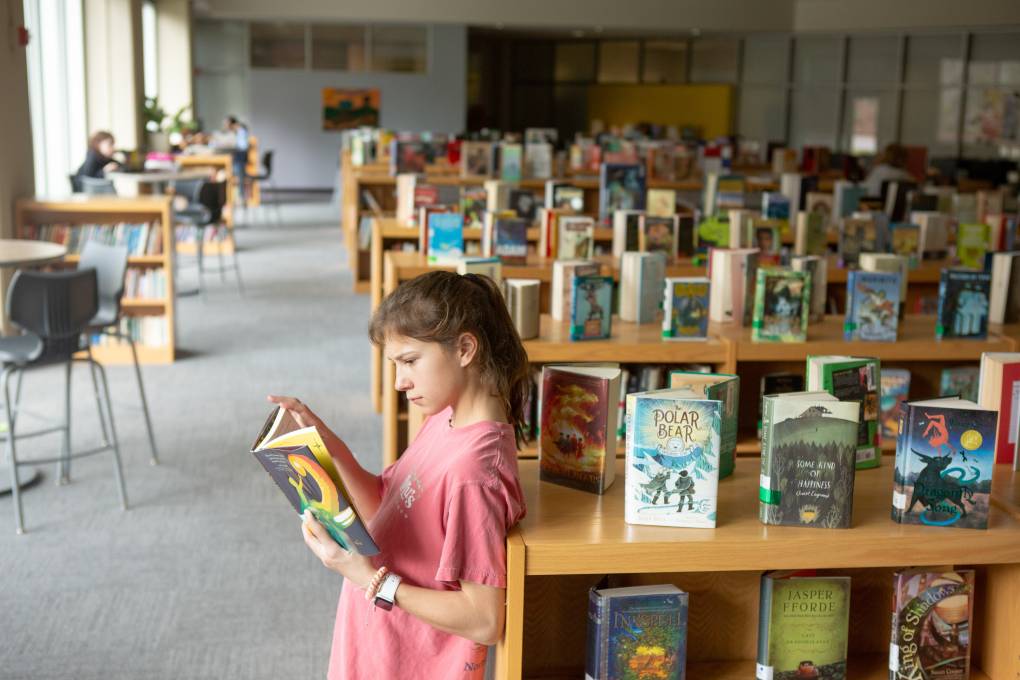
(149,49)
(817,60)
(338,47)
(618,61)
(277,45)
(873,59)
(665,62)
(766,60)
(399,49)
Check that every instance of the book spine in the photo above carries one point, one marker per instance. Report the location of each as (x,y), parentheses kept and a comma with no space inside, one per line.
(764,671)
(593,667)
(899,500)
(766,496)
(850,323)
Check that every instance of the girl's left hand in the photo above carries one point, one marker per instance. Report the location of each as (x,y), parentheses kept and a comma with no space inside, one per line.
(353,566)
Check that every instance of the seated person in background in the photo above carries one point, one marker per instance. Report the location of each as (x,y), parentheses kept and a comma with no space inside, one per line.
(99,158)
(889,166)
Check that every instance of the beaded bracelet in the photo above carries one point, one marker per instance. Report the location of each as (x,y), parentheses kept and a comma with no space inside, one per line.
(374,584)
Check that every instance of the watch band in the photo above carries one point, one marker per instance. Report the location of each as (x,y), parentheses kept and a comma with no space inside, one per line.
(387,593)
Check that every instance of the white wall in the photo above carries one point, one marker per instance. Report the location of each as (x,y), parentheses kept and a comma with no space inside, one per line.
(286,108)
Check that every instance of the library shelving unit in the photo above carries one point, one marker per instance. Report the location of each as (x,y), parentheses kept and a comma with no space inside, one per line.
(80,210)
(218,162)
(569,540)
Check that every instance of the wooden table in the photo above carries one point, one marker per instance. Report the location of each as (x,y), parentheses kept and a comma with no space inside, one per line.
(570,539)
(151,179)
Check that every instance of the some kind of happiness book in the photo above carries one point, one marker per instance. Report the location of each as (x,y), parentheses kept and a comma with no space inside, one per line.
(297,460)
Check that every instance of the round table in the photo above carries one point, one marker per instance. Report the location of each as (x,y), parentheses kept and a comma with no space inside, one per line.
(16,252)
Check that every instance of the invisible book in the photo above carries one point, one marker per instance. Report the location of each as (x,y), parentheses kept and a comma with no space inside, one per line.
(297,460)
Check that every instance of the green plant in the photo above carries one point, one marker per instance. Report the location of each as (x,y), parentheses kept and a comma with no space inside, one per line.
(158,120)
(154,114)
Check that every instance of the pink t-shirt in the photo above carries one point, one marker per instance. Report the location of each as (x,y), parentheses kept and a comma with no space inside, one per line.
(446,507)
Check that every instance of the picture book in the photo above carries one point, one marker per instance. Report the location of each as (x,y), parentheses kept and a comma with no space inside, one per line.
(408,157)
(621,187)
(564,275)
(497,195)
(567,197)
(931,635)
(483,266)
(777,383)
(999,390)
(721,387)
(817,270)
(522,301)
(933,234)
(538,158)
(906,242)
(626,231)
(846,198)
(577,445)
(510,240)
(472,207)
(730,193)
(895,389)
(1004,303)
(872,307)
(972,242)
(856,379)
(685,308)
(963,304)
(297,460)
(782,304)
(661,202)
(591,308)
(960,381)
(820,203)
(672,474)
(641,283)
(811,235)
(510,162)
(576,238)
(945,453)
(476,159)
(445,237)
(661,235)
(803,626)
(662,162)
(733,273)
(808,440)
(889,263)
(765,236)
(522,202)
(854,236)
(539,135)
(775,206)
(636,633)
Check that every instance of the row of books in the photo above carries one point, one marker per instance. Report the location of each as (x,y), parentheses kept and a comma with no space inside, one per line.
(803,627)
(140,239)
(680,440)
(147,283)
(150,331)
(186,233)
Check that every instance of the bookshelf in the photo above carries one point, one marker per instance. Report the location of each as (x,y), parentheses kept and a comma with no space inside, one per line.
(218,162)
(82,210)
(570,539)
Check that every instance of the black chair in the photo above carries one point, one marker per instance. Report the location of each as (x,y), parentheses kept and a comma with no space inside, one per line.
(75,181)
(53,310)
(203,212)
(110,263)
(266,178)
(97,186)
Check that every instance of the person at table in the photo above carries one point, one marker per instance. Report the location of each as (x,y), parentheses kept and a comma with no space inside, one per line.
(99,158)
(889,167)
(240,152)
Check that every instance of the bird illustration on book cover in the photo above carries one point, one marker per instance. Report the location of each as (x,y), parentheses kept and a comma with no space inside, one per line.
(931,625)
(573,430)
(944,468)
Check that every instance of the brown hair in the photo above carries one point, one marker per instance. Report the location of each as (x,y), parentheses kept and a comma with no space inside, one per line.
(98,138)
(894,155)
(438,307)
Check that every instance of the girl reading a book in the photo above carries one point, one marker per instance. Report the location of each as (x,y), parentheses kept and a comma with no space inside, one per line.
(441,513)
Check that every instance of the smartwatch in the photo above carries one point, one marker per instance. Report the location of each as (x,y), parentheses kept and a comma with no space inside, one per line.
(387,592)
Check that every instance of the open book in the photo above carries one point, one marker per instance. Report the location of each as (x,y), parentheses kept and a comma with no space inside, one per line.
(297,460)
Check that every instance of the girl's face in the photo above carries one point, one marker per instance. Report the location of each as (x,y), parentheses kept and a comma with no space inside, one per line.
(430,374)
(106,147)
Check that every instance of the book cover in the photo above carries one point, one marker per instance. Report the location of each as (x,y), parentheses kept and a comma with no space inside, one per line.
(662,162)
(299,463)
(510,240)
(538,157)
(659,234)
(733,273)
(576,238)
(522,301)
(1004,301)
(642,278)
(803,626)
(510,158)
(892,264)
(846,198)
(821,204)
(855,235)
(782,303)
(811,237)
(621,187)
(721,387)
(483,266)
(959,381)
(522,202)
(408,157)
(591,308)
(895,389)
(577,445)
(856,379)
(661,202)
(931,635)
(963,304)
(999,390)
(777,383)
(472,207)
(626,231)
(564,276)
(775,206)
(685,308)
(637,633)
(807,462)
(872,308)
(906,241)
(972,243)
(476,159)
(817,270)
(672,474)
(766,238)
(446,236)
(945,453)
(567,197)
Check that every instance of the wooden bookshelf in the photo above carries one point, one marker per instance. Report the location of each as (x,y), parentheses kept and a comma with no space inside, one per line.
(569,539)
(80,210)
(216,162)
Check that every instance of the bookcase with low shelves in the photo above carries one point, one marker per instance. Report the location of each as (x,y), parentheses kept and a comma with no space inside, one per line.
(79,211)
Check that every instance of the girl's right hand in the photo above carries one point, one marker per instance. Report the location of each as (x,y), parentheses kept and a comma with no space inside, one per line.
(302,415)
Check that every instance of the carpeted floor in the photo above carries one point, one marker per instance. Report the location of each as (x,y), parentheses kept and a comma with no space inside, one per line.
(206,575)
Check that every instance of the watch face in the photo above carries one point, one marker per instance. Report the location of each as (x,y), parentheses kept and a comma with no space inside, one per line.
(383,604)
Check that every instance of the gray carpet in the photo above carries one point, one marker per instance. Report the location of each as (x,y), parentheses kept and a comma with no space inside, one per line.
(206,575)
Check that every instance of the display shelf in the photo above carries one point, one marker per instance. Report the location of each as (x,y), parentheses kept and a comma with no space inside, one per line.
(140,260)
(218,163)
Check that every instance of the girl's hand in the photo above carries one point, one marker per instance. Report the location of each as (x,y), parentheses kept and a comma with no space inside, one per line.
(353,566)
(301,413)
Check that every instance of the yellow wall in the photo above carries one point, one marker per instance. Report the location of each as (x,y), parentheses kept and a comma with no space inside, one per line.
(708,107)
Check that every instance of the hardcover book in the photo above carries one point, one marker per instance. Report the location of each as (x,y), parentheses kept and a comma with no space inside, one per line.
(872,307)
(856,235)
(497,195)
(591,308)
(803,626)
(811,236)
(846,197)
(638,632)
(687,236)
(856,379)
(446,237)
(766,238)
(895,385)
(817,270)
(476,159)
(959,381)
(782,304)
(510,240)
(577,446)
(522,202)
(1004,304)
(621,187)
(672,474)
(933,236)
(562,288)
(963,304)
(626,231)
(659,234)
(510,162)
(642,276)
(408,157)
(999,390)
(808,440)
(472,207)
(972,242)
(576,239)
(483,266)
(906,242)
(539,159)
(775,206)
(931,636)
(567,197)
(661,202)
(944,458)
(894,264)
(522,301)
(662,162)
(777,383)
(685,308)
(726,389)
(297,460)
(733,272)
